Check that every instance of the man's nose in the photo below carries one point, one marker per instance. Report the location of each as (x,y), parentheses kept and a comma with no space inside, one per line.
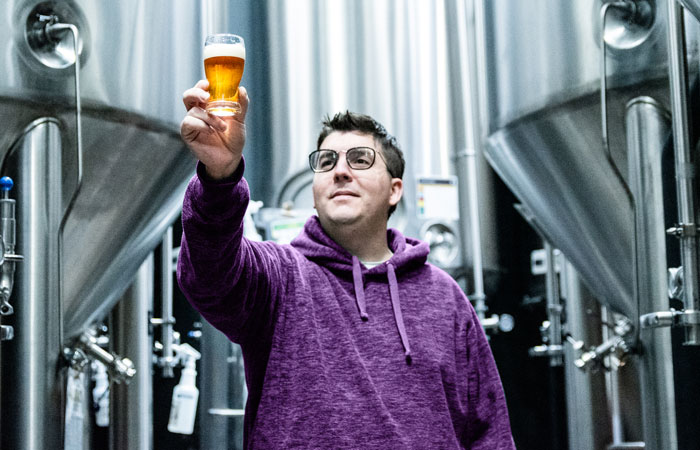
(342,171)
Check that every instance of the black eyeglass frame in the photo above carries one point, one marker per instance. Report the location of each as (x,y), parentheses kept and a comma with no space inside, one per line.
(337,157)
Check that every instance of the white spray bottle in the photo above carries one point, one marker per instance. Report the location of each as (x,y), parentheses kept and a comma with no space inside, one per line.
(185,395)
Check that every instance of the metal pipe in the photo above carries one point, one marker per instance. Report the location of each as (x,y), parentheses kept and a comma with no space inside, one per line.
(631,7)
(586,409)
(467,163)
(121,368)
(132,409)
(32,387)
(685,171)
(166,300)
(612,386)
(51,31)
(215,396)
(553,307)
(603,76)
(647,127)
(635,15)
(79,142)
(479,67)
(6,333)
(479,295)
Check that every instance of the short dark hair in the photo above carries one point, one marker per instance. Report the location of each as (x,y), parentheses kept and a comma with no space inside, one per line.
(351,121)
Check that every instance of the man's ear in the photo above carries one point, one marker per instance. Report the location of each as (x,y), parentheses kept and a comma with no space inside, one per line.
(396,191)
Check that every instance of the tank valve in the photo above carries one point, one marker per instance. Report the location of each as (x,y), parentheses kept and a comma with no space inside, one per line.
(670,318)
(616,348)
(49,38)
(554,351)
(8,258)
(88,347)
(44,33)
(688,318)
(166,362)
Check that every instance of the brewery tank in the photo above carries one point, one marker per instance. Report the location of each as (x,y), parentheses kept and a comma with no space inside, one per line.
(543,120)
(134,66)
(556,101)
(404,63)
(96,190)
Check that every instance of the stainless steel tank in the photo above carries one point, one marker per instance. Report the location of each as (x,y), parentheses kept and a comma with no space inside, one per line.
(562,147)
(96,191)
(543,116)
(405,64)
(135,65)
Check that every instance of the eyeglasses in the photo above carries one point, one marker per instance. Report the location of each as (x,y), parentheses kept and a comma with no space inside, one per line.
(358,158)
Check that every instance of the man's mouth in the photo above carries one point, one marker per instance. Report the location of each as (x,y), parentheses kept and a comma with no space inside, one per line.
(343,193)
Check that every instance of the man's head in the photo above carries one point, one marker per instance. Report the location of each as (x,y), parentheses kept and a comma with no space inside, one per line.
(370,192)
(349,121)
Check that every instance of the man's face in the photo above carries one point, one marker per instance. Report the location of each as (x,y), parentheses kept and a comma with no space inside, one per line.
(346,196)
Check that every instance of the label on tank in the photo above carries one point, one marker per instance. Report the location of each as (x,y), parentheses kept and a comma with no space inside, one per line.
(437,198)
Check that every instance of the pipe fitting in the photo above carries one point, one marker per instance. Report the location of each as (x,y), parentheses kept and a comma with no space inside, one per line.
(7,333)
(616,348)
(87,348)
(670,318)
(503,322)
(47,36)
(546,350)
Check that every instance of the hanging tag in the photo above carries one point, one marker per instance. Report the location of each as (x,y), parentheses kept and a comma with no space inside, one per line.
(75,398)
(100,394)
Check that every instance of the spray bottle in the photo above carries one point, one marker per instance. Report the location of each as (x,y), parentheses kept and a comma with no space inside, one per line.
(185,395)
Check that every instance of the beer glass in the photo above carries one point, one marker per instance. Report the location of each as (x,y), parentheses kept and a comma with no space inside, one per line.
(224,58)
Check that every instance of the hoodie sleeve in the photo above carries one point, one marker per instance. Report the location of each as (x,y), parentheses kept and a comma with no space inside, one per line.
(488,424)
(231,281)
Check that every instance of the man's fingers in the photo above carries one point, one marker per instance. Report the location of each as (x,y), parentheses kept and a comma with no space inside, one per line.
(216,122)
(244,101)
(190,128)
(196,96)
(199,121)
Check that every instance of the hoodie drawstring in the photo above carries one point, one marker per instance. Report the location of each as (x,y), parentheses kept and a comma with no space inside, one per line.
(359,289)
(394,294)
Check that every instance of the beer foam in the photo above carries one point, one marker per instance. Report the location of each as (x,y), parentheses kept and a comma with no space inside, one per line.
(234,50)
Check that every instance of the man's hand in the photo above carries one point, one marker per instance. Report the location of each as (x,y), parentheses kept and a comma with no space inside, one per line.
(216,141)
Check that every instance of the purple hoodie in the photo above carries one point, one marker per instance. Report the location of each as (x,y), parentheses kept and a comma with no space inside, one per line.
(338,356)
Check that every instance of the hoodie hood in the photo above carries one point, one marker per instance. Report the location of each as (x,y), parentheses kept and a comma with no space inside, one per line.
(317,246)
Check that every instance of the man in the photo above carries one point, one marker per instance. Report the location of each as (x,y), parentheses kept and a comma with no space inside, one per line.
(350,339)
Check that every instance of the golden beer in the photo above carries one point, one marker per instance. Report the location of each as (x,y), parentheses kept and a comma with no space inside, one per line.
(224,60)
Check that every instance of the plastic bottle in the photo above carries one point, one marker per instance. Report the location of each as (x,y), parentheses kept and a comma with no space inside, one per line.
(185,396)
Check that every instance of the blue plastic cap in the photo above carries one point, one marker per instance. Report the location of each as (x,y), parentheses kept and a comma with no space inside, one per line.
(6,183)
